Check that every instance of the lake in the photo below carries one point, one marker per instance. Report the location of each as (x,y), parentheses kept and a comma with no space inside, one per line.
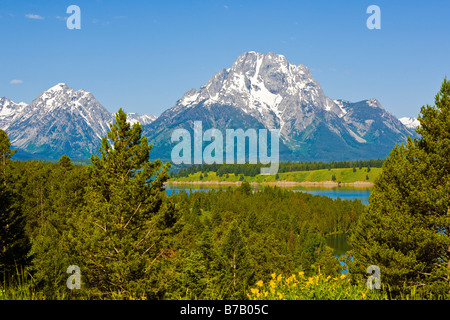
(344,193)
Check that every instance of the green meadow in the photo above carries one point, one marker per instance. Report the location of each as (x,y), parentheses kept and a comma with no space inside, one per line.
(343,175)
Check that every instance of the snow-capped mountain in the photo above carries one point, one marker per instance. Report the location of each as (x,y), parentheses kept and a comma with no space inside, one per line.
(257,91)
(266,87)
(368,120)
(59,121)
(410,123)
(266,91)
(133,117)
(9,111)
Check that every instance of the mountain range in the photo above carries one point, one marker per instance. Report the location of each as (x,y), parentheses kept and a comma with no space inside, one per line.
(257,91)
(266,91)
(59,121)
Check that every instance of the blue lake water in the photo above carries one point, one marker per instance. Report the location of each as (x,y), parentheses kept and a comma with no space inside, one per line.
(344,193)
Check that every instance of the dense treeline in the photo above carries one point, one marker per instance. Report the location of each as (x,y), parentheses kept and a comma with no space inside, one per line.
(225,240)
(252,170)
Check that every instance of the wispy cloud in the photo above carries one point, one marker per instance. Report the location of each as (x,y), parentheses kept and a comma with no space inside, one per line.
(15,81)
(34,16)
(61,18)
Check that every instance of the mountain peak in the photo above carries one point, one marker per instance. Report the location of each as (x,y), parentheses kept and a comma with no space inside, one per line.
(410,122)
(266,90)
(374,103)
(265,86)
(58,87)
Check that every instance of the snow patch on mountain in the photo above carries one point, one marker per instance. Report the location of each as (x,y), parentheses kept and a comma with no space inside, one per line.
(410,122)
(60,120)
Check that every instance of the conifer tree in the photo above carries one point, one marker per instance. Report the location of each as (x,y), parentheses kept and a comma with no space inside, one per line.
(14,245)
(405,230)
(125,225)
(65,162)
(237,268)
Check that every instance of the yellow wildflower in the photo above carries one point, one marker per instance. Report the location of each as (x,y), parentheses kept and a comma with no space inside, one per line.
(272,284)
(259,283)
(279,277)
(274,275)
(343,276)
(254,290)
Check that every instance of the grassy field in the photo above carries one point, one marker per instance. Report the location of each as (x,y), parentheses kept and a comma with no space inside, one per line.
(345,175)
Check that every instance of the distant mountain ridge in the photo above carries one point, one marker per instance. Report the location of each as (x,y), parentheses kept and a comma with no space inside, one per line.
(410,122)
(59,121)
(257,91)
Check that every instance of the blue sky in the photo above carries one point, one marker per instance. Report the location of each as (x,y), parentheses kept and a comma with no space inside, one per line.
(144,55)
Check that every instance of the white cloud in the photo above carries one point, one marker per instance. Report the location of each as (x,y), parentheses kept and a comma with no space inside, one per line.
(34,16)
(16,81)
(61,18)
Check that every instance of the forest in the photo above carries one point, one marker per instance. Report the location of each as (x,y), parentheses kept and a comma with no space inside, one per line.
(203,245)
(113,220)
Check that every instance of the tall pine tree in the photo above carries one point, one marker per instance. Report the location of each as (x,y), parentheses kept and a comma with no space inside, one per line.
(238,274)
(14,245)
(405,230)
(123,228)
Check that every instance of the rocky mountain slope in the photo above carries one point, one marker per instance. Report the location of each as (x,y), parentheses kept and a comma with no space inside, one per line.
(59,121)
(258,91)
(266,91)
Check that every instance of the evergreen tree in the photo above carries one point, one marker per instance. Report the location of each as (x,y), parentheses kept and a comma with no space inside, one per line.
(14,245)
(245,188)
(196,210)
(311,250)
(65,162)
(61,198)
(124,228)
(237,269)
(405,230)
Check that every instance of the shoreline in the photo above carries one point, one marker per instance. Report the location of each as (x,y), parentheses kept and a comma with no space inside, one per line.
(282,183)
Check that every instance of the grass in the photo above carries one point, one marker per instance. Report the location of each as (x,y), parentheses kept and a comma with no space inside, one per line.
(345,175)
(19,287)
